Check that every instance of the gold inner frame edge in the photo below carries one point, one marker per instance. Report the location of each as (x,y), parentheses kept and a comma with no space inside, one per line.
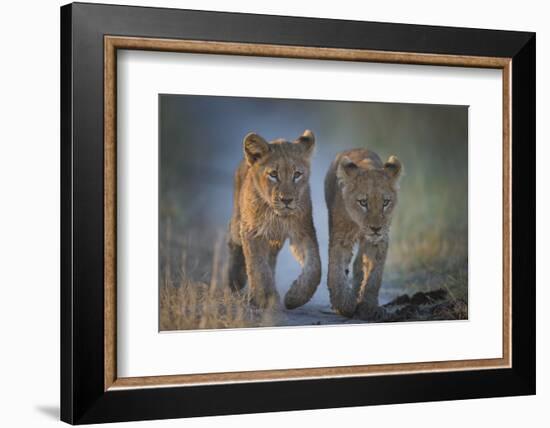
(113,43)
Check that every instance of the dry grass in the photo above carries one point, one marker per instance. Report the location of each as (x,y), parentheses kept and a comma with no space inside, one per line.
(436,261)
(187,304)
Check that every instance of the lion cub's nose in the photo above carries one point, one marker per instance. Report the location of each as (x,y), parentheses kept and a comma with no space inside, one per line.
(286,201)
(375,229)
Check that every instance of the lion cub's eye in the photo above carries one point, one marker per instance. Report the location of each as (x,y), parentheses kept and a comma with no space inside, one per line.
(297,175)
(273,175)
(363,202)
(386,202)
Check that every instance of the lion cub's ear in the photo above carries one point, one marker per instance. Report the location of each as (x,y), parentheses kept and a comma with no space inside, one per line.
(393,167)
(307,141)
(255,147)
(346,168)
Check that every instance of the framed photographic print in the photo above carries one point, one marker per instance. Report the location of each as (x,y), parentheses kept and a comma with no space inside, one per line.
(265,213)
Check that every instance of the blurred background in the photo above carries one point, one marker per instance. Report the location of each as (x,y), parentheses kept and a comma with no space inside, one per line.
(201,145)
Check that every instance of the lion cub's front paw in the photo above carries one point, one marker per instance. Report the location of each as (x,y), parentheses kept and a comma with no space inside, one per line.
(294,298)
(370,312)
(269,301)
(346,309)
(344,302)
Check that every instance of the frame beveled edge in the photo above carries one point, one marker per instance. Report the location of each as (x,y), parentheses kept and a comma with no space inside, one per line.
(112,43)
(66,396)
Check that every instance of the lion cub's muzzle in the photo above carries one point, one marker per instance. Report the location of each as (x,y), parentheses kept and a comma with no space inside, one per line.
(284,205)
(375,234)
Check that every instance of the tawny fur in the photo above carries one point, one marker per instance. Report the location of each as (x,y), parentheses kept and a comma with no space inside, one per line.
(272,203)
(361,194)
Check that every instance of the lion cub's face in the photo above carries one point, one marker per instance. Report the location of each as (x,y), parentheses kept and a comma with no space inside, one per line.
(370,194)
(281,170)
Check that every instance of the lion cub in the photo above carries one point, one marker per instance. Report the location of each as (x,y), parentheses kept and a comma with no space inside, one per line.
(361,195)
(272,202)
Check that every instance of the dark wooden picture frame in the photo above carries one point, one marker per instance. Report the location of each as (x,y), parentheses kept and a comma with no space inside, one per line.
(90,389)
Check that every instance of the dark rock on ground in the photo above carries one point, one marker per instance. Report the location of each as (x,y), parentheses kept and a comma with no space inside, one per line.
(422,306)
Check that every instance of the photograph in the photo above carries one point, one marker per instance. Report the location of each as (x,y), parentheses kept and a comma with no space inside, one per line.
(294,212)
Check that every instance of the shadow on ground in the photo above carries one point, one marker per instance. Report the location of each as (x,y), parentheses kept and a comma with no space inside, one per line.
(49,410)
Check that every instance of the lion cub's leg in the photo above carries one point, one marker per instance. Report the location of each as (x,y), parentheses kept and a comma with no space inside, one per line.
(236,267)
(261,276)
(373,258)
(342,297)
(305,250)
(274,248)
(358,269)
